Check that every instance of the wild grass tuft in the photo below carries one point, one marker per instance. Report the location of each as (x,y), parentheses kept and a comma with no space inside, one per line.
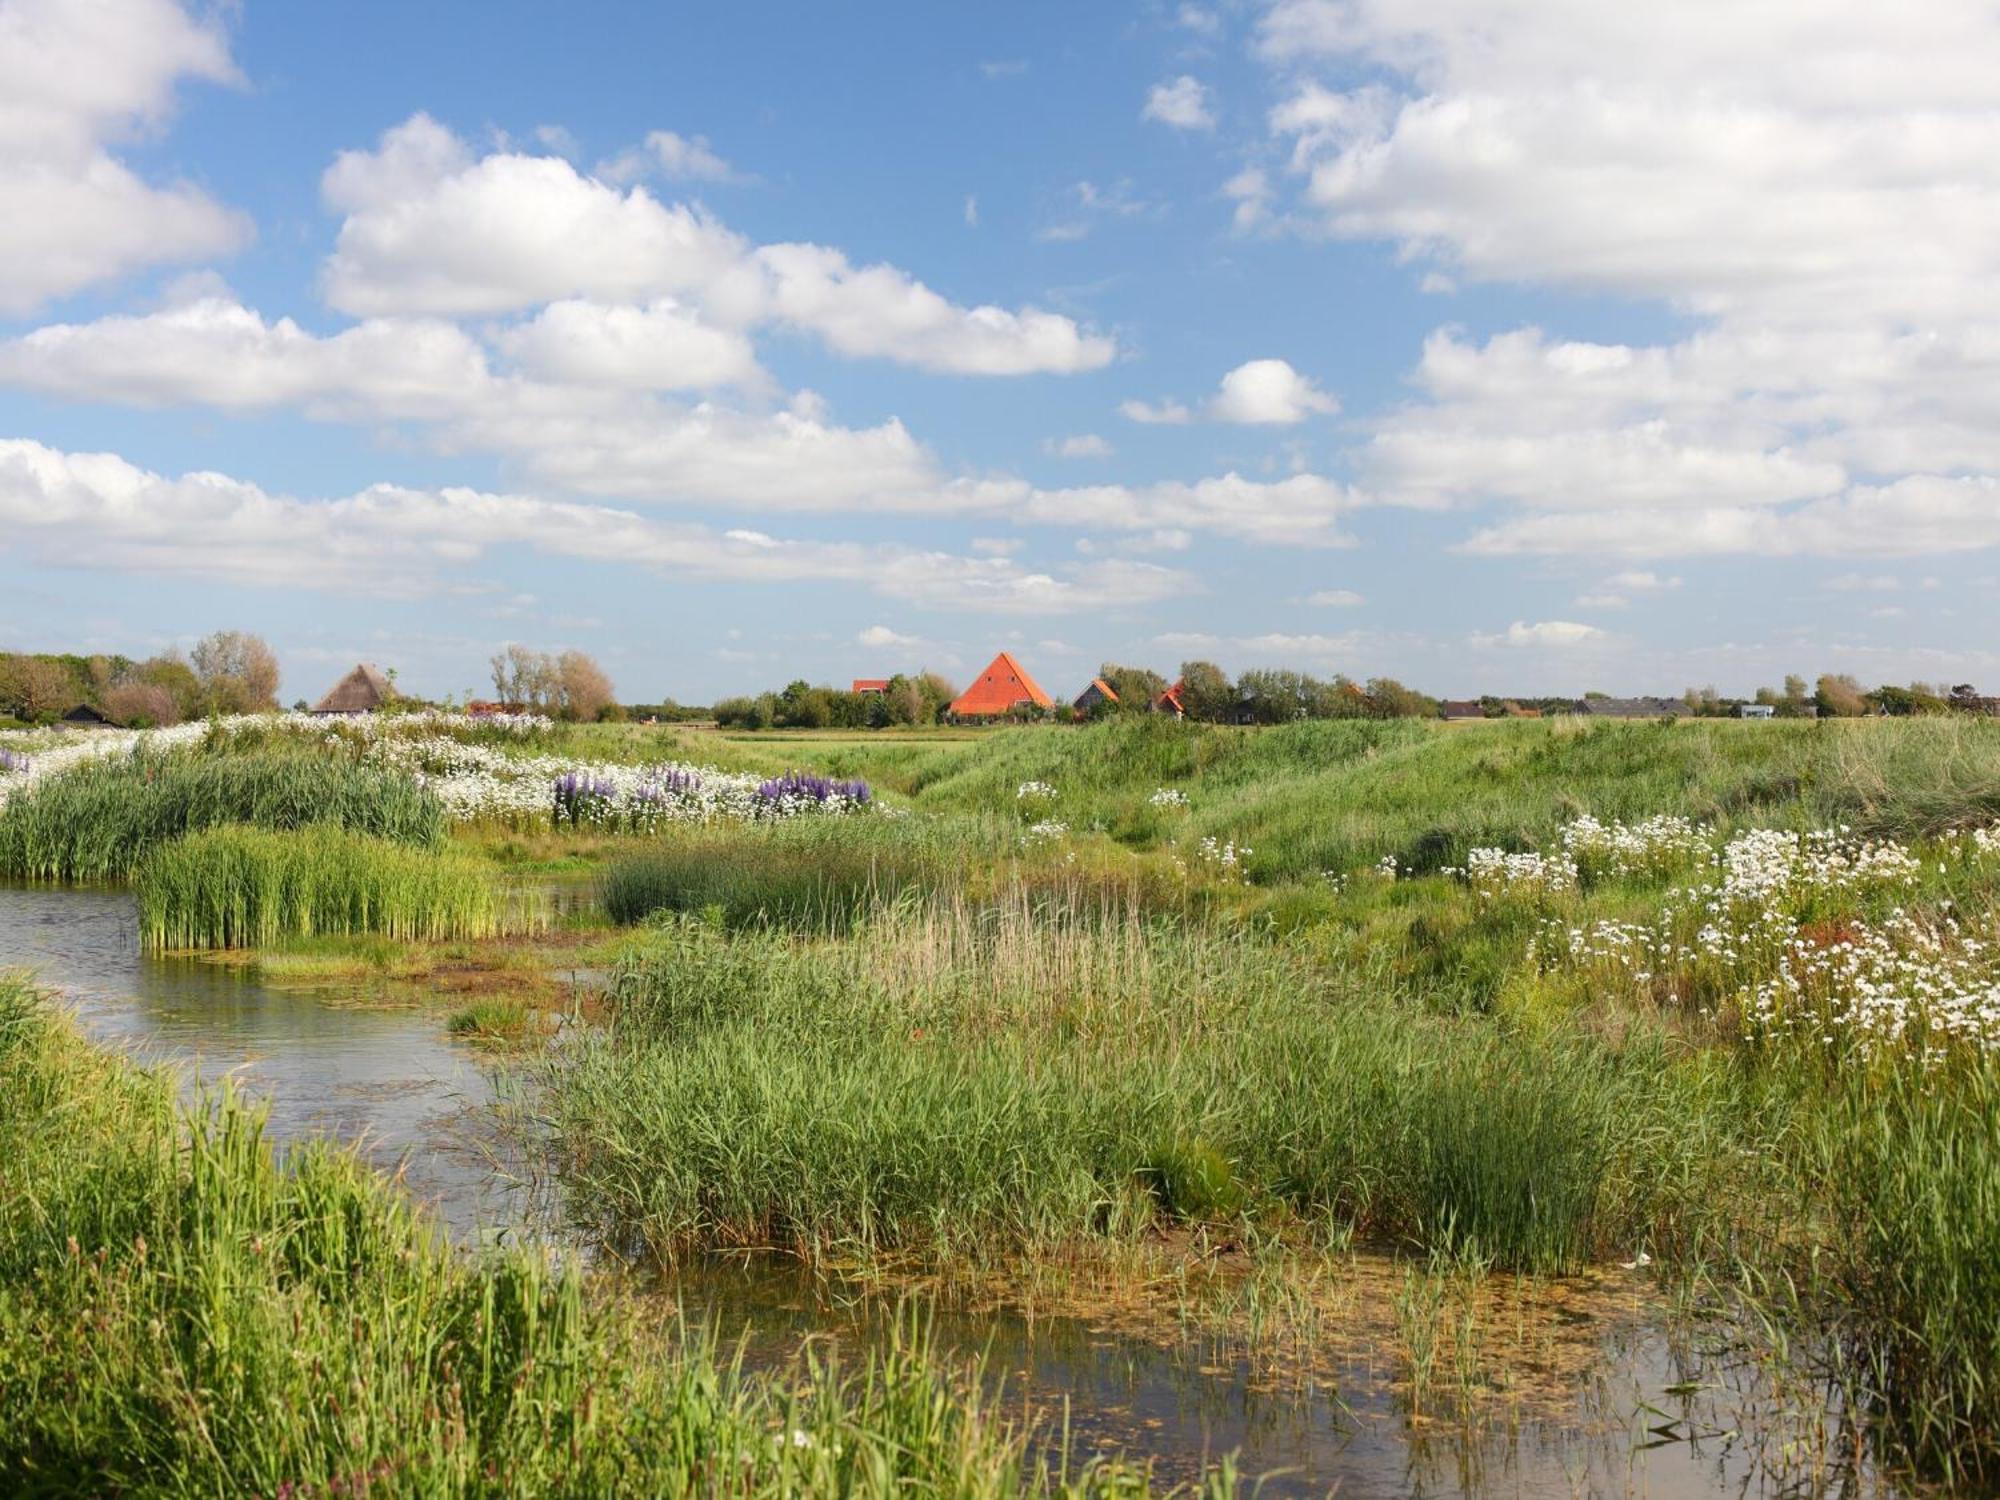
(253,888)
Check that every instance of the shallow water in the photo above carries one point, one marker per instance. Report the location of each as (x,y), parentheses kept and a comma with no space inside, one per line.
(391,1082)
(394,1083)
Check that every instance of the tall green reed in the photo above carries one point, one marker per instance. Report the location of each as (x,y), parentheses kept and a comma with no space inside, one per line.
(236,887)
(97,821)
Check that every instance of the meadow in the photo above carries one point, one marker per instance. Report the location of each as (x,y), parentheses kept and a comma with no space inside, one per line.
(1714,1000)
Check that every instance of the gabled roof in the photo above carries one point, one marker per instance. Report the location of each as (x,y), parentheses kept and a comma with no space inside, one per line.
(359,692)
(1170,700)
(1004,685)
(870,685)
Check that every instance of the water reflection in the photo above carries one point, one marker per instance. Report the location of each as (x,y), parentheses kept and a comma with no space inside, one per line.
(390,1082)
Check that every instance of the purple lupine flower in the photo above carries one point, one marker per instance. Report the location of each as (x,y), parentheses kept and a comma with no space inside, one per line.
(802,786)
(583,798)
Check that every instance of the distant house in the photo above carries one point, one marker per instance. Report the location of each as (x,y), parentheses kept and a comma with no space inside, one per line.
(1756,711)
(1461,708)
(1172,702)
(481,708)
(1098,692)
(875,685)
(1634,708)
(998,691)
(361,691)
(84,716)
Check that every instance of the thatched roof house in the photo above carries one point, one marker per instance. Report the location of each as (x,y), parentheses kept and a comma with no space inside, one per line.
(361,691)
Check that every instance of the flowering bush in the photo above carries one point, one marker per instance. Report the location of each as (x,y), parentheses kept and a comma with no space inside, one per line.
(797,791)
(1168,796)
(1034,791)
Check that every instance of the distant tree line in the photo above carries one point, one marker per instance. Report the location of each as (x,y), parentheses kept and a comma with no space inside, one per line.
(1837,695)
(1262,696)
(919,699)
(228,672)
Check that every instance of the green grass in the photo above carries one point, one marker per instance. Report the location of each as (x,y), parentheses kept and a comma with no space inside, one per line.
(956,1081)
(180,1315)
(96,822)
(253,888)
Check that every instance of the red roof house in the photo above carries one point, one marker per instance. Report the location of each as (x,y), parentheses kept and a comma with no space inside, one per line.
(1003,687)
(1098,692)
(870,685)
(1169,702)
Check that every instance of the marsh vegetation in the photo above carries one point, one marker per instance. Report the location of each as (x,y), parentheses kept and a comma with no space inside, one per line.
(1711,1009)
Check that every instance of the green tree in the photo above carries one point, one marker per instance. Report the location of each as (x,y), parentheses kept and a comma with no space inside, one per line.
(1207,693)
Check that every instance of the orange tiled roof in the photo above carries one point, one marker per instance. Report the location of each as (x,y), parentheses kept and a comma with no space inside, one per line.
(997,690)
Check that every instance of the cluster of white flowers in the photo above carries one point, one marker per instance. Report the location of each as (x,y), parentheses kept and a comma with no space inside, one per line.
(35,755)
(1223,859)
(1495,872)
(1768,866)
(475,781)
(1902,986)
(1654,846)
(480,783)
(1387,867)
(1759,938)
(1048,831)
(1168,796)
(1034,791)
(1985,840)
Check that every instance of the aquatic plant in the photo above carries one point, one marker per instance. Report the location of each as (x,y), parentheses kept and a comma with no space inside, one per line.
(238,887)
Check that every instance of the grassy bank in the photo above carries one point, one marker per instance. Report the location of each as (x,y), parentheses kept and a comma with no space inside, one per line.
(237,887)
(183,1316)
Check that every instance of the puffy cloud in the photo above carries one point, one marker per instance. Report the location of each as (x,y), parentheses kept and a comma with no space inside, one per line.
(1167,413)
(1268,391)
(1828,225)
(1259,392)
(1304,510)
(1544,633)
(429,228)
(1080,445)
(882,635)
(1180,102)
(95,510)
(662,346)
(1250,190)
(74,77)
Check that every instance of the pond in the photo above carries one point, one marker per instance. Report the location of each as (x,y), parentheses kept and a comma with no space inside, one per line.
(1627,1411)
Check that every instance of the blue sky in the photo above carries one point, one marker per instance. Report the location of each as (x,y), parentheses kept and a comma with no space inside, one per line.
(1518,345)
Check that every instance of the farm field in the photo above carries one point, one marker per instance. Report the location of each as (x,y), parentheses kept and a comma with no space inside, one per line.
(1442,1078)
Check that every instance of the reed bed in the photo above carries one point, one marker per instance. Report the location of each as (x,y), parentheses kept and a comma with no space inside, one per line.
(183,1316)
(956,1079)
(239,887)
(97,821)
